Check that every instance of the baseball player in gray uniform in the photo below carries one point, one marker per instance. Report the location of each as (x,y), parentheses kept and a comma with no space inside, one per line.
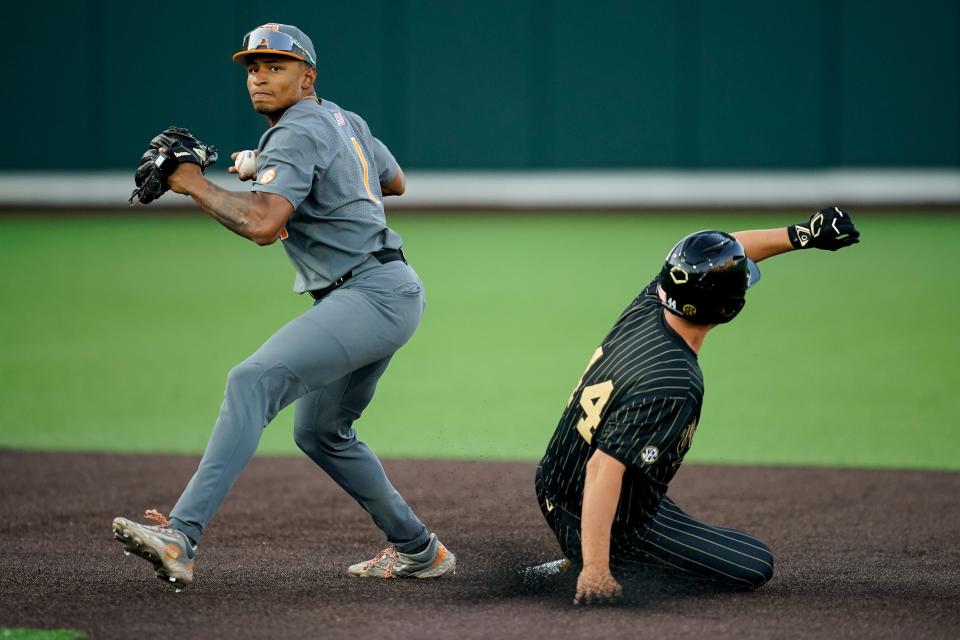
(320,180)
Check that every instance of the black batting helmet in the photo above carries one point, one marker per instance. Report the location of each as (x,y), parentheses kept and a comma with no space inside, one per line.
(705,278)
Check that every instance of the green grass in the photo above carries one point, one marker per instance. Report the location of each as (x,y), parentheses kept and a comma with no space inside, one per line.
(14,633)
(119,331)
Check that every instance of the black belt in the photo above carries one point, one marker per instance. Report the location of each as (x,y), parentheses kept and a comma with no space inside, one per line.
(383,257)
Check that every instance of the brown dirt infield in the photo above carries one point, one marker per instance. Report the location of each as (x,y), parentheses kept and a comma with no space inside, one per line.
(859,554)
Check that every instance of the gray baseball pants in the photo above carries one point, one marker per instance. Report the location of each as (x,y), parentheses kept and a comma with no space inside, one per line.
(328,360)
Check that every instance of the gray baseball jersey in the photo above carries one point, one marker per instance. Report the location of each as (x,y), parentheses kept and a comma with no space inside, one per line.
(325,161)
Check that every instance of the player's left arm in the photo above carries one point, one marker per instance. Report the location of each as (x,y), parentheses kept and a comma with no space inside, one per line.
(396,185)
(601,495)
(392,180)
(830,228)
(257,216)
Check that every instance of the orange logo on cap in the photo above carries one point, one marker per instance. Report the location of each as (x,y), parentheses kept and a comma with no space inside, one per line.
(270,25)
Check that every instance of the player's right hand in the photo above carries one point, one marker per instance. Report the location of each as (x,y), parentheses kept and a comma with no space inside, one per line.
(596,585)
(236,168)
(830,228)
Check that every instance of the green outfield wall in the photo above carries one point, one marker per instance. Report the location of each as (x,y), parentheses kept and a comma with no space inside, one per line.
(508,84)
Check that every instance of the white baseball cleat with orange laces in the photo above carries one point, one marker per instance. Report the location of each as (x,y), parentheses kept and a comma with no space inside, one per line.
(169,550)
(432,562)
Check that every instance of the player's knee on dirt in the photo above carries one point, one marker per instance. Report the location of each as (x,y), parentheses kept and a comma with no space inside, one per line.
(758,570)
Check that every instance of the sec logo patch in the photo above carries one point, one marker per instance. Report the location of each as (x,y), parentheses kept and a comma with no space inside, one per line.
(267,176)
(649,454)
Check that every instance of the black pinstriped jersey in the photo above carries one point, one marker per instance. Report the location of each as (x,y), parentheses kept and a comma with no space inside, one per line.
(639,401)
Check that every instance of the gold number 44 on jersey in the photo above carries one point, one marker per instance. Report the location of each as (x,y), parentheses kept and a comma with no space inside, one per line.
(596,356)
(592,400)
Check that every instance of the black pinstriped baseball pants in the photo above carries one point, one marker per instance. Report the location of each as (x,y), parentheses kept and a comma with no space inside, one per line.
(673,540)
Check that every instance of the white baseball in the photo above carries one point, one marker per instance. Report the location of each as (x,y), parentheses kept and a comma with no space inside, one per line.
(246,164)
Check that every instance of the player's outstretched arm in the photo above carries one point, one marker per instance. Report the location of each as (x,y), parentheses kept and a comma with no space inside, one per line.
(761,244)
(830,229)
(256,216)
(601,494)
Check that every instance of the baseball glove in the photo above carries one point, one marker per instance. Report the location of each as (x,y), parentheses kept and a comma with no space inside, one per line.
(173,146)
